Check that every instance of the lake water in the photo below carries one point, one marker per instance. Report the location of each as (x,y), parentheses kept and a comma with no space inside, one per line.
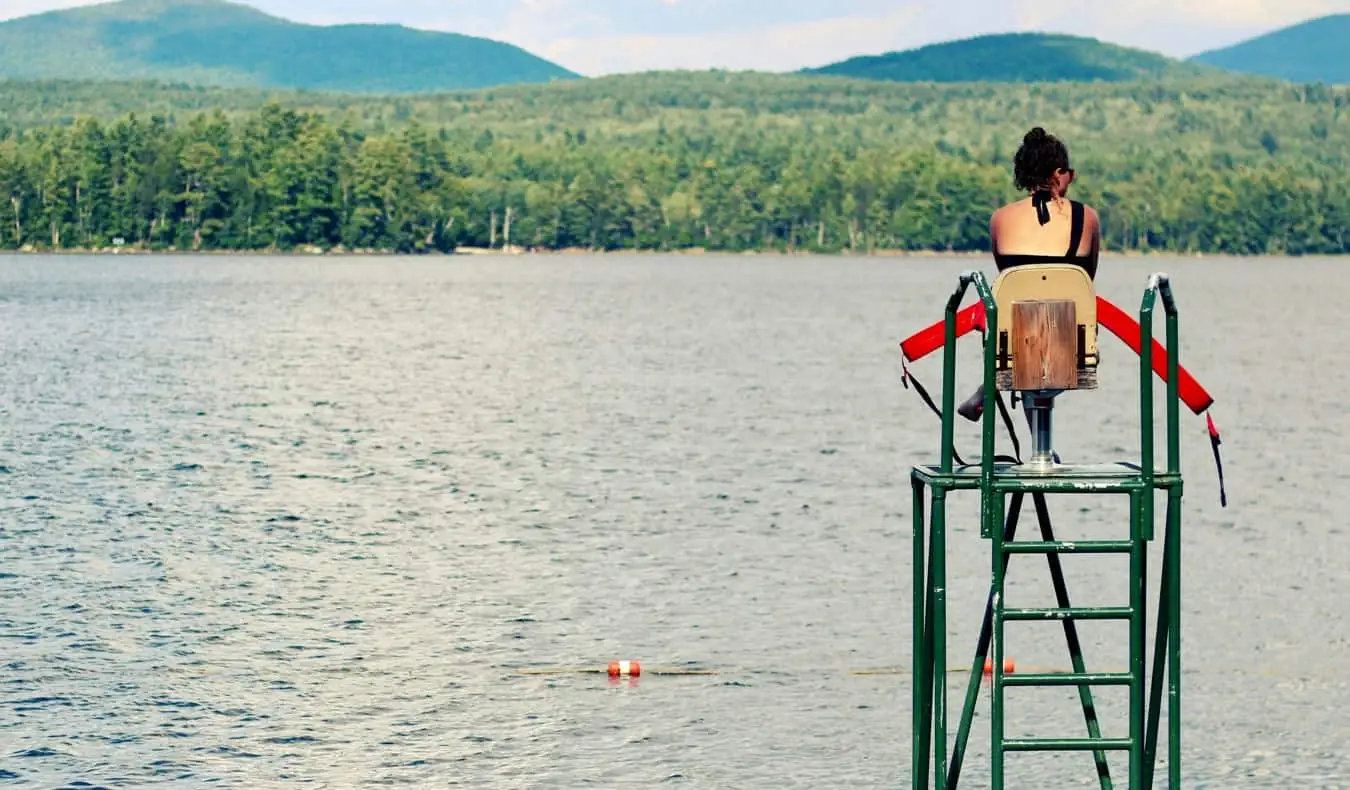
(304,521)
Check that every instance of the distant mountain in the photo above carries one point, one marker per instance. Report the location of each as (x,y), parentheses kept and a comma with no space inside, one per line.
(214,42)
(1314,51)
(1014,57)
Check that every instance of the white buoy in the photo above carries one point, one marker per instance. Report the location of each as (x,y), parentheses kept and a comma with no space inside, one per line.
(624,669)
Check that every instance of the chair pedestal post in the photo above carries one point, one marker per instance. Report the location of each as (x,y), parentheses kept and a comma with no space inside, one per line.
(1040,406)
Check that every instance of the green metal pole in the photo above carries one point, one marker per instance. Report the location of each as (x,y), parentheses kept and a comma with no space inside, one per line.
(1146,403)
(1141,527)
(1146,375)
(925,684)
(1138,630)
(938,584)
(991,521)
(1000,567)
(1168,635)
(1161,646)
(1173,549)
(922,654)
(988,522)
(949,375)
(1172,540)
(1173,372)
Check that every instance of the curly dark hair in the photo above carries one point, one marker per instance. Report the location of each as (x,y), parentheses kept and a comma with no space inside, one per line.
(1040,156)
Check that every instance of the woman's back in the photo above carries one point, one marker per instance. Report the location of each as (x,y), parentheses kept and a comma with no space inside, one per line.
(1046,227)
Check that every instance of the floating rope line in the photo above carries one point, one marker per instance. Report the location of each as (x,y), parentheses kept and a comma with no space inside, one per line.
(1009,668)
(635,669)
(605,671)
(618,669)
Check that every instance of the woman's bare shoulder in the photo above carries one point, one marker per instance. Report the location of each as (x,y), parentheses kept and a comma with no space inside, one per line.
(1004,211)
(1090,218)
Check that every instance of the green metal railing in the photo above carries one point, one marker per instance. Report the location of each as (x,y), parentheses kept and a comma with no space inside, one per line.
(998,523)
(1167,641)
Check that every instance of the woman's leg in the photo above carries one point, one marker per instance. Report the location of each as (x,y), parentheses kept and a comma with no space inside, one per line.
(973,407)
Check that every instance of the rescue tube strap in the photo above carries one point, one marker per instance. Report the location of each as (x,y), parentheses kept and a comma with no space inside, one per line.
(907,377)
(1214,442)
(1008,423)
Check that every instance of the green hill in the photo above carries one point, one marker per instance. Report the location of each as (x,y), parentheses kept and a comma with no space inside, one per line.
(1014,57)
(213,42)
(1312,51)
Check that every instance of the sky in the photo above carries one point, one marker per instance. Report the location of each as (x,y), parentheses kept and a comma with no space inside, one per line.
(596,37)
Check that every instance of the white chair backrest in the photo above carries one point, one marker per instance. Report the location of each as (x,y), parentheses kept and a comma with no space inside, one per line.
(1048,281)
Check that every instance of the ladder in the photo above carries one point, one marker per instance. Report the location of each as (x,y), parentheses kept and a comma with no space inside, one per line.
(1004,489)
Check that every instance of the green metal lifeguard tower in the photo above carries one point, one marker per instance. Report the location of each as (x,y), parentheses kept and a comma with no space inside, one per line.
(1041,329)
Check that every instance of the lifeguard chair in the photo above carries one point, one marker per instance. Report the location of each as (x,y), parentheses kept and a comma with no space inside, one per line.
(1046,342)
(1041,324)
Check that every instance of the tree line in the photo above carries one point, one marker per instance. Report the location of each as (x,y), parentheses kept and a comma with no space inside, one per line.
(665,162)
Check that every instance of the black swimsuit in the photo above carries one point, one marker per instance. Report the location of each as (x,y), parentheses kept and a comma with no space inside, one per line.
(1088,262)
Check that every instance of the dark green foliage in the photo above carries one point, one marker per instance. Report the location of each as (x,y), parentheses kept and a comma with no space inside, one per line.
(213,42)
(668,161)
(1014,57)
(1312,51)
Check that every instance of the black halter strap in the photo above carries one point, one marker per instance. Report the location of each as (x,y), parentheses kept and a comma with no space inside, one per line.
(1076,234)
(1040,199)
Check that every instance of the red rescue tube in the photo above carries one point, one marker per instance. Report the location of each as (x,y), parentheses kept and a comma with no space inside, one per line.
(1117,322)
(926,341)
(1120,324)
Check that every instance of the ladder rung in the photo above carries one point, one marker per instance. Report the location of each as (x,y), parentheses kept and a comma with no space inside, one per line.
(1069,679)
(1073,613)
(1067,744)
(1069,547)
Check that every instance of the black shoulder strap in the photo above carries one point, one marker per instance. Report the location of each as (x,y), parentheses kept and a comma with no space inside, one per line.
(1076,234)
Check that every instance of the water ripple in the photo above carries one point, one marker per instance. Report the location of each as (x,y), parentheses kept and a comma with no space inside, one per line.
(271,522)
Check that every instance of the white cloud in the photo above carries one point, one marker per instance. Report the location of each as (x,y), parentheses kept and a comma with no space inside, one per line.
(776,48)
(13,9)
(1224,13)
(1176,27)
(606,36)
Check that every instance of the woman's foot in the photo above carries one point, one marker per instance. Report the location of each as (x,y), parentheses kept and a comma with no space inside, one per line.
(973,407)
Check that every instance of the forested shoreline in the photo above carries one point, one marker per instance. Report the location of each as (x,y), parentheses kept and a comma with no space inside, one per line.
(670,162)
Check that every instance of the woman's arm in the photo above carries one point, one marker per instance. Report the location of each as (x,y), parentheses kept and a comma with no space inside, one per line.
(1094,223)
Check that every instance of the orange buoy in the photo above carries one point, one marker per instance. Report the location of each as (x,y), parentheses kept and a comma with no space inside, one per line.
(1008,666)
(624,669)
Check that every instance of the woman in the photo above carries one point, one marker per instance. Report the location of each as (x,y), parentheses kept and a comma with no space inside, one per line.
(1044,227)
